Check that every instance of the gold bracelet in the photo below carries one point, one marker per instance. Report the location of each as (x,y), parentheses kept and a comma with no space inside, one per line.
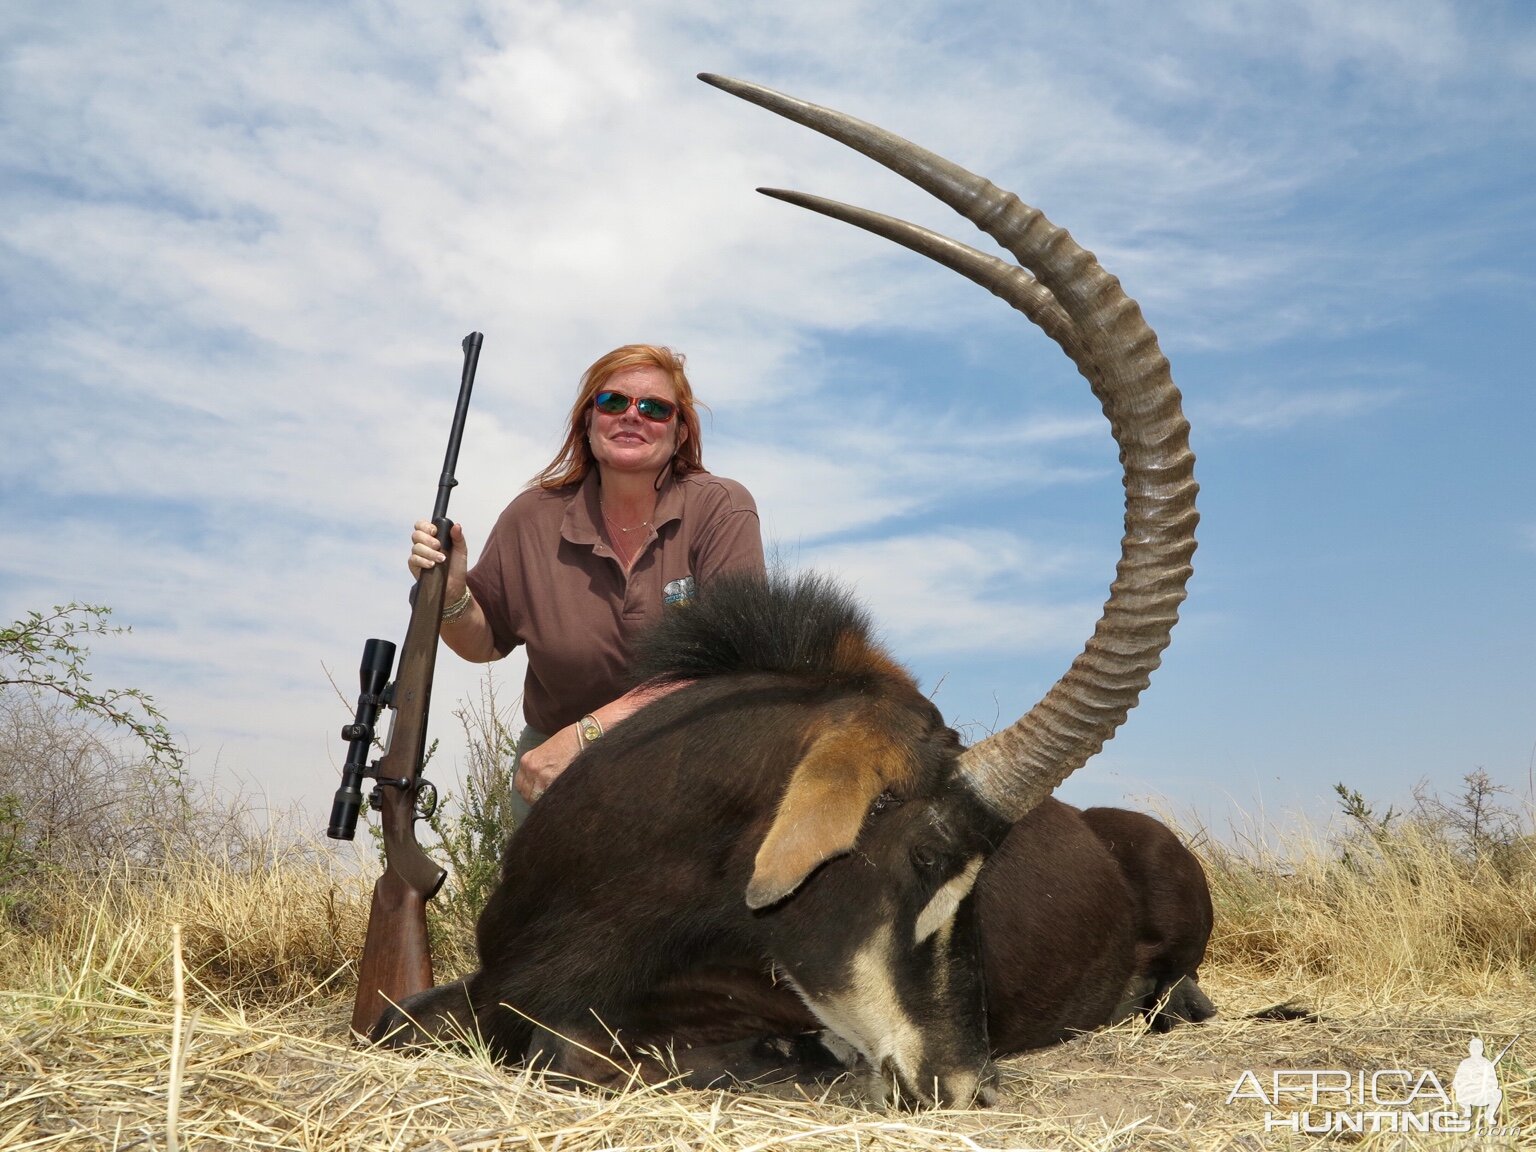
(458,607)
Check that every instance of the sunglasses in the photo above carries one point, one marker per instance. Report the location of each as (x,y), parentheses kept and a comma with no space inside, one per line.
(616,404)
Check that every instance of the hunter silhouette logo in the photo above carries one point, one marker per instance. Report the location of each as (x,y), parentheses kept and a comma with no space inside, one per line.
(1476,1085)
(1330,1100)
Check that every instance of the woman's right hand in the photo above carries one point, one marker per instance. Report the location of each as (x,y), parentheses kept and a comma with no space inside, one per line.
(426,554)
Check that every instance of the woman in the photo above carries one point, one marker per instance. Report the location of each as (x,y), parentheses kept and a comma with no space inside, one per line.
(622,523)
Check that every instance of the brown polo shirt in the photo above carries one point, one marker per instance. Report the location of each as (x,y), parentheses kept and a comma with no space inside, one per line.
(548,579)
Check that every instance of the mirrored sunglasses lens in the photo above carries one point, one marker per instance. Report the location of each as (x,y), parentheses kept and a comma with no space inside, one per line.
(613,403)
(658,410)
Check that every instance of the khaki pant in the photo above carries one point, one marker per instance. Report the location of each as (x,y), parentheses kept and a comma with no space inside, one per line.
(526,742)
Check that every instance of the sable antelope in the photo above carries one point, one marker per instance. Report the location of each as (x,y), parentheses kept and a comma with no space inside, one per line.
(792,841)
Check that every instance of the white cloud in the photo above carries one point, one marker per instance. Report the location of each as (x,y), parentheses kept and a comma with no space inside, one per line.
(839,476)
(951,592)
(1268,410)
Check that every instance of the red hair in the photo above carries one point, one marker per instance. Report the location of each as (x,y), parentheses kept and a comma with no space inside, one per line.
(574,460)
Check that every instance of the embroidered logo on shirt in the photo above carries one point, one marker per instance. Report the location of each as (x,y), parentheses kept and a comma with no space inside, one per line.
(679,591)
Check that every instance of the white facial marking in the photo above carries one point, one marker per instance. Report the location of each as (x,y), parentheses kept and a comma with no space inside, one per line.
(946,901)
(868,1013)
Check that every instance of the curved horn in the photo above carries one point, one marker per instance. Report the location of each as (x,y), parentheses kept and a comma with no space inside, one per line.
(1083,308)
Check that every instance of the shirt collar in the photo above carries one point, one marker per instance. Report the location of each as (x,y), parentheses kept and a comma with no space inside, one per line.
(669,502)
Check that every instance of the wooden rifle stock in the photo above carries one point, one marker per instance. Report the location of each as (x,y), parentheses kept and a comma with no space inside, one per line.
(397,956)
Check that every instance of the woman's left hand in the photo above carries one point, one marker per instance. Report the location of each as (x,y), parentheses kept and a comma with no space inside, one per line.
(538,767)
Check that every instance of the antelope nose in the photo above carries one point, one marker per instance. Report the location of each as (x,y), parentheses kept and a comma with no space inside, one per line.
(957,1088)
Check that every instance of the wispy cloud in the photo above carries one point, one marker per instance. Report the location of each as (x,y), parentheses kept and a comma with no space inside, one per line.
(1269,410)
(948,592)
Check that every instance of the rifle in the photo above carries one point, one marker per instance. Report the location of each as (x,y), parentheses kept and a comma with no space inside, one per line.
(397,957)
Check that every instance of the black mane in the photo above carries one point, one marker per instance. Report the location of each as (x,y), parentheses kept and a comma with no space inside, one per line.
(806,625)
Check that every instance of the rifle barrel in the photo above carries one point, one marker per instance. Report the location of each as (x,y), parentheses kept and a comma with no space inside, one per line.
(446,483)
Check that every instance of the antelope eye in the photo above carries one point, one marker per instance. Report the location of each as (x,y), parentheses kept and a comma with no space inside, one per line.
(925,856)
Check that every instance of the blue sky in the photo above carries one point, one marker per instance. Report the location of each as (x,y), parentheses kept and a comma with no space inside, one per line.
(239,246)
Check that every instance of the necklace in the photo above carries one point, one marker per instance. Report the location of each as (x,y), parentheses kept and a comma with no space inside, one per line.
(608,520)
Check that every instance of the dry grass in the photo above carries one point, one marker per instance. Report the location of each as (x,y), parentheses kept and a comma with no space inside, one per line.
(1412,908)
(1407,952)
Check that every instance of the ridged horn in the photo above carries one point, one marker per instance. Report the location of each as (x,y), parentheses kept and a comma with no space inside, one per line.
(1083,308)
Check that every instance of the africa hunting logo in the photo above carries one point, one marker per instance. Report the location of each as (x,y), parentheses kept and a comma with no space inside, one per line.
(1336,1100)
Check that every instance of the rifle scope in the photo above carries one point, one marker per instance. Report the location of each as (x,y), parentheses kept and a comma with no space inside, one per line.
(378,660)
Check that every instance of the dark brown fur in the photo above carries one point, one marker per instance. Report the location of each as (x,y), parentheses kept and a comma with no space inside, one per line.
(1172,907)
(1057,931)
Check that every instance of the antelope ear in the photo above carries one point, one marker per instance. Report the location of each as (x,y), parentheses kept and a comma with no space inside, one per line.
(823,808)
